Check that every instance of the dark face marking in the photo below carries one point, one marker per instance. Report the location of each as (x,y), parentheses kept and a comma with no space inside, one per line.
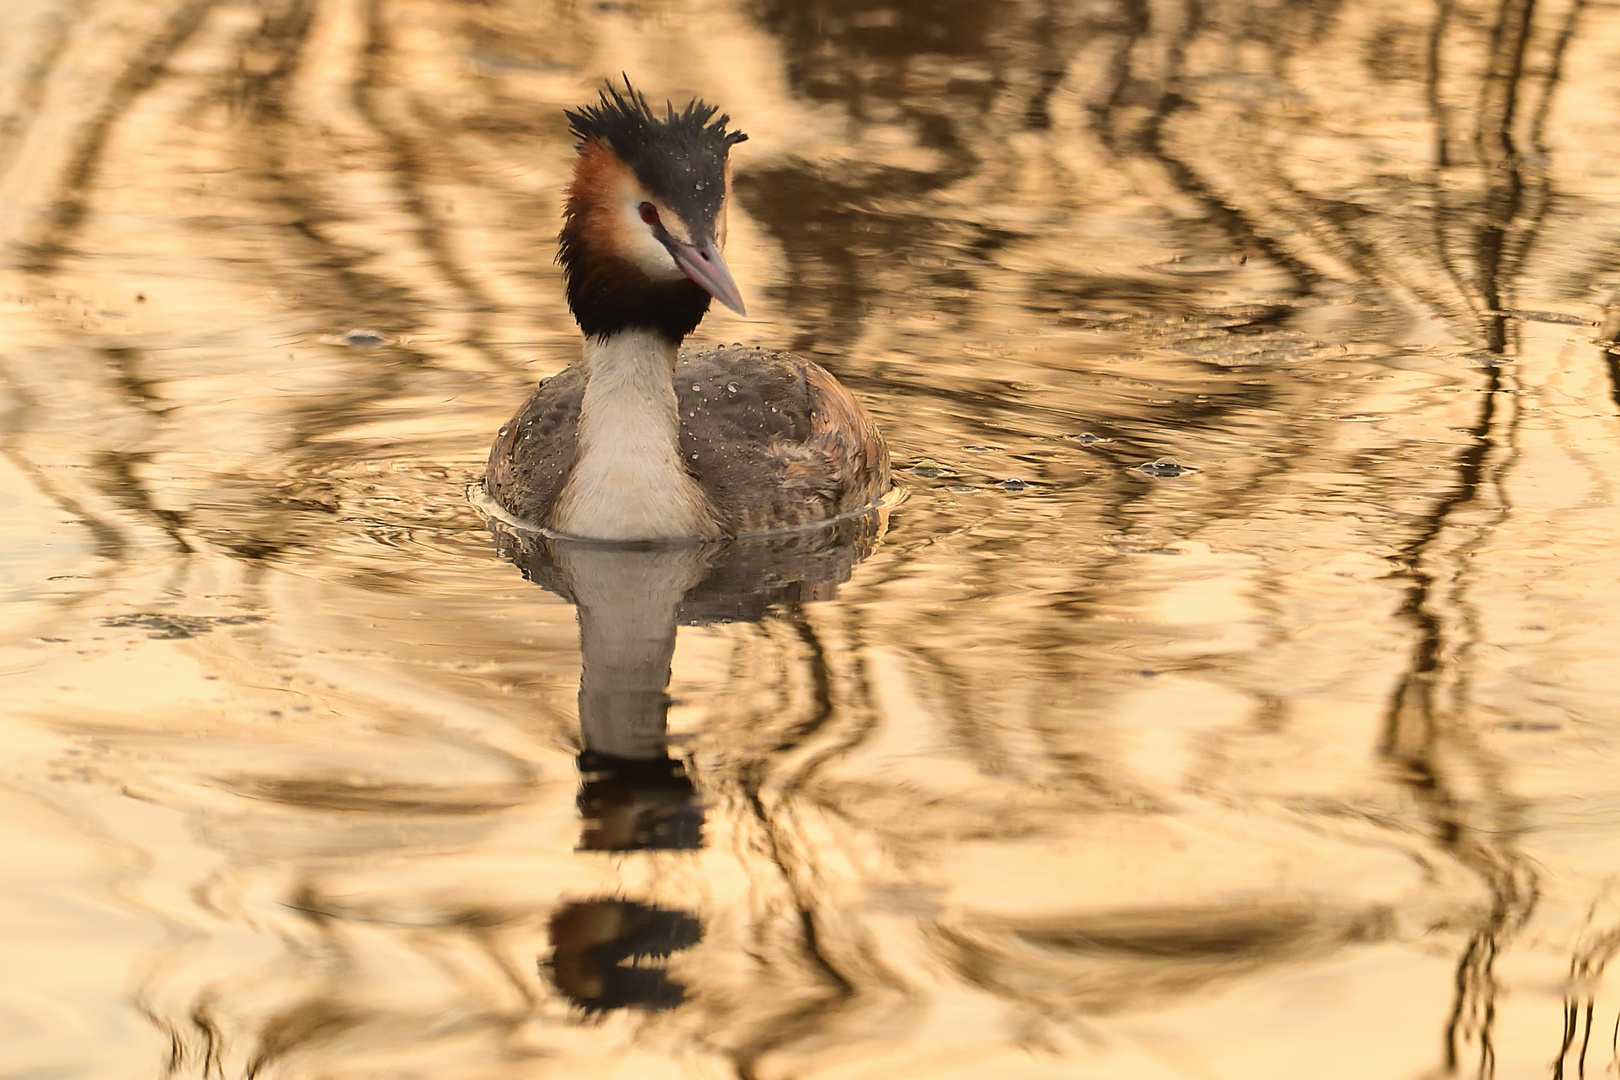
(609,294)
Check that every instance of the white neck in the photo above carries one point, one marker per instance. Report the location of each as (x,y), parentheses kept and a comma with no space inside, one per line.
(628,481)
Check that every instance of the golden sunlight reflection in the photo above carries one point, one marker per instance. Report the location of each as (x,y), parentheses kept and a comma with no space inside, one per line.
(1231,696)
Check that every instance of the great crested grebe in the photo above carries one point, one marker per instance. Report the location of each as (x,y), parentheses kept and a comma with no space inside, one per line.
(643,441)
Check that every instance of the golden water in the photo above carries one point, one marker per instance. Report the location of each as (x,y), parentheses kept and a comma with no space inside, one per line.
(1297,761)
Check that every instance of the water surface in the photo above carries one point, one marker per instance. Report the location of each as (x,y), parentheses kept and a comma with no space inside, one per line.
(1233,695)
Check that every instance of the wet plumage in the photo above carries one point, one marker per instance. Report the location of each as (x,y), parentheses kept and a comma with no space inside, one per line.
(642,441)
(767,436)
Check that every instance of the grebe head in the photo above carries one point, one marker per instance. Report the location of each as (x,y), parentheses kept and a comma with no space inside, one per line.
(645,220)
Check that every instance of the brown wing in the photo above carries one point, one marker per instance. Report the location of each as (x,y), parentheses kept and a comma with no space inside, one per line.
(774,440)
(534,451)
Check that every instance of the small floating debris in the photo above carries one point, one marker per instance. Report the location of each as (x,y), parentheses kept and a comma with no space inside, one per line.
(1013,483)
(1557,317)
(1092,315)
(361,338)
(1144,549)
(163,625)
(1200,263)
(1164,468)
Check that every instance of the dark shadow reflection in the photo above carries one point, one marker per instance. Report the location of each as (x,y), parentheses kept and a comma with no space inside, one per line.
(601,951)
(634,795)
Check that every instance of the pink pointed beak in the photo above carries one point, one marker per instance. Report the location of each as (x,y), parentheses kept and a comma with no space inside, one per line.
(705,266)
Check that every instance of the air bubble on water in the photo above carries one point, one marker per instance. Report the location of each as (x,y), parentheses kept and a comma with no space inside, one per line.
(731,388)
(1164,468)
(504,430)
(1013,483)
(364,339)
(696,387)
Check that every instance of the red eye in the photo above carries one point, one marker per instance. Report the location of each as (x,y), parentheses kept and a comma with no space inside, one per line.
(649,213)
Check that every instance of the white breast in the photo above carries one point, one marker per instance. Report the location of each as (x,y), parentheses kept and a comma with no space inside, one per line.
(628,480)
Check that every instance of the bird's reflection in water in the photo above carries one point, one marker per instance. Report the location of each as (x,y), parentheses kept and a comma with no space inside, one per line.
(634,796)
(630,804)
(604,953)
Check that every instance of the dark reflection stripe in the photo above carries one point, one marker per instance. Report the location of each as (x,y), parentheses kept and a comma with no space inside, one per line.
(410,171)
(31,96)
(1421,737)
(1149,141)
(43,253)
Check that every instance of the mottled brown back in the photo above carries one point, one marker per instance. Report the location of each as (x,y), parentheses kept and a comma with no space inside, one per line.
(773,440)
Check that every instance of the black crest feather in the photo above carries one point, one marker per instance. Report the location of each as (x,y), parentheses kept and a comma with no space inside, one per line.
(626,121)
(680,156)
